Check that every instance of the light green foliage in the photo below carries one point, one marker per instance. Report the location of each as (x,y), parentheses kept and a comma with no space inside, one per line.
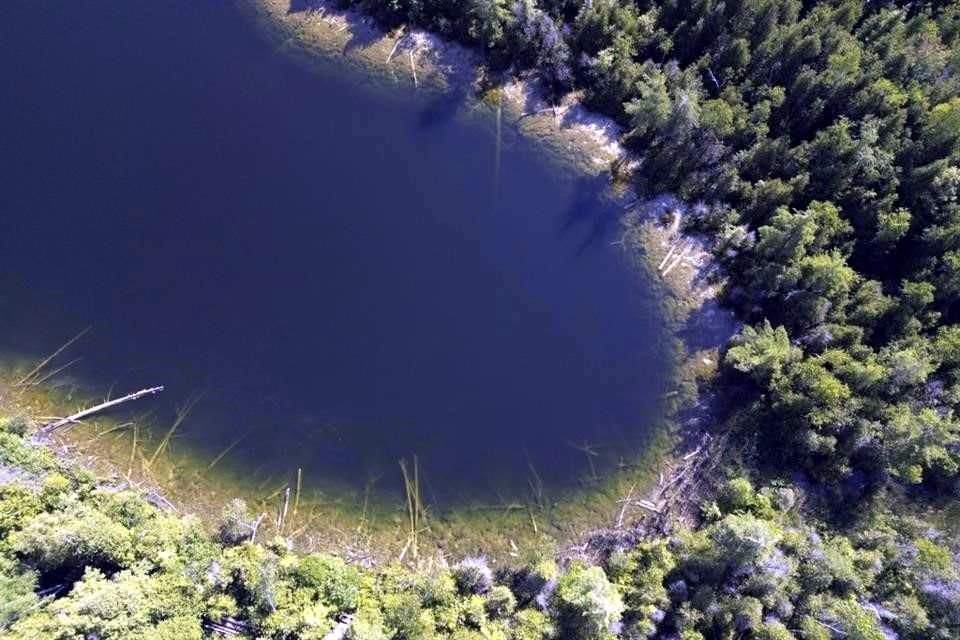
(16,452)
(76,537)
(530,624)
(773,630)
(124,569)
(856,622)
(250,574)
(745,539)
(404,618)
(18,504)
(336,583)
(17,596)
(763,353)
(500,602)
(586,605)
(129,605)
(892,225)
(236,522)
(16,424)
(739,496)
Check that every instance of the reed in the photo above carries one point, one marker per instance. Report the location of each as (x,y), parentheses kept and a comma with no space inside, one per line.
(223,453)
(296,499)
(416,513)
(182,414)
(30,378)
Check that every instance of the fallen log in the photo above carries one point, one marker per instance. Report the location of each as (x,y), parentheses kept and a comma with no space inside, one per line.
(53,426)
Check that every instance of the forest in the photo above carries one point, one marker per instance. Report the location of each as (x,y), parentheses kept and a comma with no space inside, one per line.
(817,145)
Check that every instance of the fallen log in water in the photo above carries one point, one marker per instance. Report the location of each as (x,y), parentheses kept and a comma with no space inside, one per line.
(53,426)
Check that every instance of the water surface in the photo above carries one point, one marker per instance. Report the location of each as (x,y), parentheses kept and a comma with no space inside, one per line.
(337,270)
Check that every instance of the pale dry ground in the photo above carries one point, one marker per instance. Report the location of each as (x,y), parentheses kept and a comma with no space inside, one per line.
(573,135)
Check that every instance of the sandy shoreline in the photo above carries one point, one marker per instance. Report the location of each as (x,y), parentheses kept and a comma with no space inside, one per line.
(415,60)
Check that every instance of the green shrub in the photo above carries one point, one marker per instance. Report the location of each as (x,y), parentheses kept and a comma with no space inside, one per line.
(296,614)
(500,602)
(250,574)
(404,618)
(17,452)
(17,505)
(129,605)
(336,582)
(72,539)
(530,624)
(367,625)
(56,487)
(586,605)
(473,575)
(16,424)
(773,630)
(236,523)
(17,595)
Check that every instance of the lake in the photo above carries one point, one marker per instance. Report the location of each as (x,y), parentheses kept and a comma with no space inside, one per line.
(340,276)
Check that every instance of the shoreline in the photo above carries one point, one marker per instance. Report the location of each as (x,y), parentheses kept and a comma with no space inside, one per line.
(575,140)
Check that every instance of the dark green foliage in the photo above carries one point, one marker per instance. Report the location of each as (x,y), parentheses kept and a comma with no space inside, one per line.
(473,576)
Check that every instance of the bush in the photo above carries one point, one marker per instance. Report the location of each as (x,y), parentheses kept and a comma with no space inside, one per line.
(17,505)
(473,575)
(71,540)
(16,424)
(586,605)
(236,523)
(500,602)
(336,582)
(17,595)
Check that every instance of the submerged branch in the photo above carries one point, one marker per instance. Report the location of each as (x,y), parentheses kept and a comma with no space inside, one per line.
(53,426)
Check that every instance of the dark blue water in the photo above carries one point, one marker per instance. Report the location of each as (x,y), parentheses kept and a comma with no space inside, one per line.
(337,270)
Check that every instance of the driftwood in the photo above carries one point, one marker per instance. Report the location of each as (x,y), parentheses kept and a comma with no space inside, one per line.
(339,632)
(396,45)
(53,426)
(256,525)
(230,627)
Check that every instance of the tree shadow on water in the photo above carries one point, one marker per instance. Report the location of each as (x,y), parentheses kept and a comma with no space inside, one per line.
(299,6)
(591,206)
(443,108)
